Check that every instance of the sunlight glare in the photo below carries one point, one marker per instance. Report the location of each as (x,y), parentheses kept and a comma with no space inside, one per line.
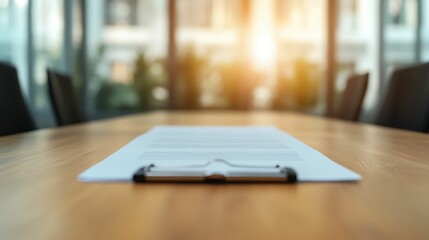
(263,50)
(21,3)
(262,39)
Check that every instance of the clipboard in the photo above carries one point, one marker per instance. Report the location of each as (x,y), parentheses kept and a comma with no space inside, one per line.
(215,171)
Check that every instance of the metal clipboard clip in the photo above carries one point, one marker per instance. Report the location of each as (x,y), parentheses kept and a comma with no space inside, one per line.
(217,170)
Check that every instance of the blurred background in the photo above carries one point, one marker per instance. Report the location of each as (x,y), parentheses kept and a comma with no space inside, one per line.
(129,56)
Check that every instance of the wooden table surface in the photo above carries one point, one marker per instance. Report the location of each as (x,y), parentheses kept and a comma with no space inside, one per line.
(41,199)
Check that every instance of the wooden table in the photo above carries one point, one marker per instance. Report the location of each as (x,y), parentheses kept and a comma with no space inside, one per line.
(41,199)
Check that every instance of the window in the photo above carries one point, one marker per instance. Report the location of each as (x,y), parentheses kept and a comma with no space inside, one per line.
(357,48)
(126,53)
(301,55)
(207,44)
(230,54)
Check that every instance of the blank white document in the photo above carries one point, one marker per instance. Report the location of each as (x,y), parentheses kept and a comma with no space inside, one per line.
(177,145)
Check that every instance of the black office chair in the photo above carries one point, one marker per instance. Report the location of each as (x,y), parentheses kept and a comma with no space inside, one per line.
(14,114)
(352,99)
(406,103)
(63,99)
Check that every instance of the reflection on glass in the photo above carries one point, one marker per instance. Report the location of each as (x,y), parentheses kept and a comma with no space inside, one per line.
(402,12)
(348,16)
(13,38)
(400,41)
(121,12)
(5,11)
(425,31)
(250,53)
(48,31)
(356,48)
(207,43)
(230,53)
(301,54)
(127,54)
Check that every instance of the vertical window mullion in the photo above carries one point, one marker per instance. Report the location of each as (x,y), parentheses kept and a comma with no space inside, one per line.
(30,54)
(331,17)
(381,39)
(67,58)
(419,32)
(171,54)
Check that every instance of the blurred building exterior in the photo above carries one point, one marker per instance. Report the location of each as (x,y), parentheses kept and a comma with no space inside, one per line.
(229,54)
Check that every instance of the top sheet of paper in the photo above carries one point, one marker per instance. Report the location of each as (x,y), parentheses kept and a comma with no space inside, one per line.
(195,145)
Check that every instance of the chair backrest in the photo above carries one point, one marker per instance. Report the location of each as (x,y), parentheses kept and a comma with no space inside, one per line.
(406,104)
(14,114)
(351,102)
(64,101)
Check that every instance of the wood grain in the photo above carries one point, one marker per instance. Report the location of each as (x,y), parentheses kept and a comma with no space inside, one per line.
(41,199)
